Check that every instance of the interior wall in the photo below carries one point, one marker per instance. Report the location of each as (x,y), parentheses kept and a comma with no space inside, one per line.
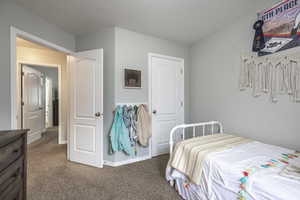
(124,48)
(132,50)
(13,15)
(215,66)
(105,38)
(30,55)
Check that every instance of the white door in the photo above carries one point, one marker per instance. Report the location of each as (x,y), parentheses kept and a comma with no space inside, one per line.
(167,99)
(86,101)
(33,102)
(49,102)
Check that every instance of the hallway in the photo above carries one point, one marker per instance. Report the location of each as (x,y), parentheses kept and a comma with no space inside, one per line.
(52,177)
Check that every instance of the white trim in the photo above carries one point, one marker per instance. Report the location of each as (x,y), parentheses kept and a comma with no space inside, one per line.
(131,104)
(150,55)
(108,163)
(101,54)
(13,78)
(68,93)
(34,137)
(47,81)
(14,33)
(63,142)
(126,162)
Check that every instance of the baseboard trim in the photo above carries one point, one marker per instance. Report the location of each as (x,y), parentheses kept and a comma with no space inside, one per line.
(34,137)
(125,162)
(108,163)
(63,142)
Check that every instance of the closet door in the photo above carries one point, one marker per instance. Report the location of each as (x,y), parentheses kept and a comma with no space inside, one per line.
(167,97)
(86,108)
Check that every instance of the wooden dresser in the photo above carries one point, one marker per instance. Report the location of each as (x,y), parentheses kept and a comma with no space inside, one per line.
(13,150)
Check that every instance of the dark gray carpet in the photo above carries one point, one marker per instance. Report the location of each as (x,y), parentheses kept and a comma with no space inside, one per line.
(51,176)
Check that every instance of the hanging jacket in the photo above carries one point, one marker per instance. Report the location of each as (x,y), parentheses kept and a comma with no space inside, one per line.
(143,125)
(129,118)
(119,136)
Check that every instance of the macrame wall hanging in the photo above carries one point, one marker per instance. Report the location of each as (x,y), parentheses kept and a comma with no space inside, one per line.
(272,76)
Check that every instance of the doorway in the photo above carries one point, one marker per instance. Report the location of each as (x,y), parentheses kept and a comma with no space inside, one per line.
(40,97)
(35,64)
(75,113)
(166,97)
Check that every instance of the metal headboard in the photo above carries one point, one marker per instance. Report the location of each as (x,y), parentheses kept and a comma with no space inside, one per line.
(183,127)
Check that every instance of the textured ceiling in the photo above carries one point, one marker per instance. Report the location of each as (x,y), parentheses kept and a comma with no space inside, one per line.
(184,21)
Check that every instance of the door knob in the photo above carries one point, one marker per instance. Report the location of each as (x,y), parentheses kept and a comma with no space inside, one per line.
(154,112)
(98,114)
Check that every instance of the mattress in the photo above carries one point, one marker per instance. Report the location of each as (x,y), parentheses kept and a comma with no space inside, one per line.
(222,173)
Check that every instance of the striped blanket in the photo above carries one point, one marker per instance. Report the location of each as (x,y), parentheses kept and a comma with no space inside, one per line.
(188,155)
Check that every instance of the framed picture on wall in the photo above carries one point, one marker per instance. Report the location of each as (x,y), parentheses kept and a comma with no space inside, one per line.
(132,78)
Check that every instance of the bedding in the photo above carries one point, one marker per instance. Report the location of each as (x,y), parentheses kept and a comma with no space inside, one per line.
(223,169)
(189,154)
(292,171)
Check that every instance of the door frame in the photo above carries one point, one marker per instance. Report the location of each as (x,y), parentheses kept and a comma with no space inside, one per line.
(20,63)
(14,33)
(150,56)
(47,79)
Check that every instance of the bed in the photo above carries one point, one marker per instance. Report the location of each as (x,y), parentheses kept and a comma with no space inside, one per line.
(231,167)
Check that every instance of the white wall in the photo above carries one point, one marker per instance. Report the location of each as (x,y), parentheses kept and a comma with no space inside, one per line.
(215,64)
(105,39)
(132,50)
(13,15)
(126,48)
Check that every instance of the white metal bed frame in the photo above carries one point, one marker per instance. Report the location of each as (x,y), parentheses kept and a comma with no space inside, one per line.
(194,126)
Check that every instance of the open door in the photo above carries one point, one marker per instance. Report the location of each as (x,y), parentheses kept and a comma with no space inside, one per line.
(86,108)
(33,102)
(49,102)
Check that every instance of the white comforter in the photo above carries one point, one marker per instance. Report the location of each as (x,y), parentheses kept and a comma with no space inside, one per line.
(222,172)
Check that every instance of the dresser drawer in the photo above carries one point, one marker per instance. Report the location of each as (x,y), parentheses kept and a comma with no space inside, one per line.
(13,191)
(10,153)
(11,174)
